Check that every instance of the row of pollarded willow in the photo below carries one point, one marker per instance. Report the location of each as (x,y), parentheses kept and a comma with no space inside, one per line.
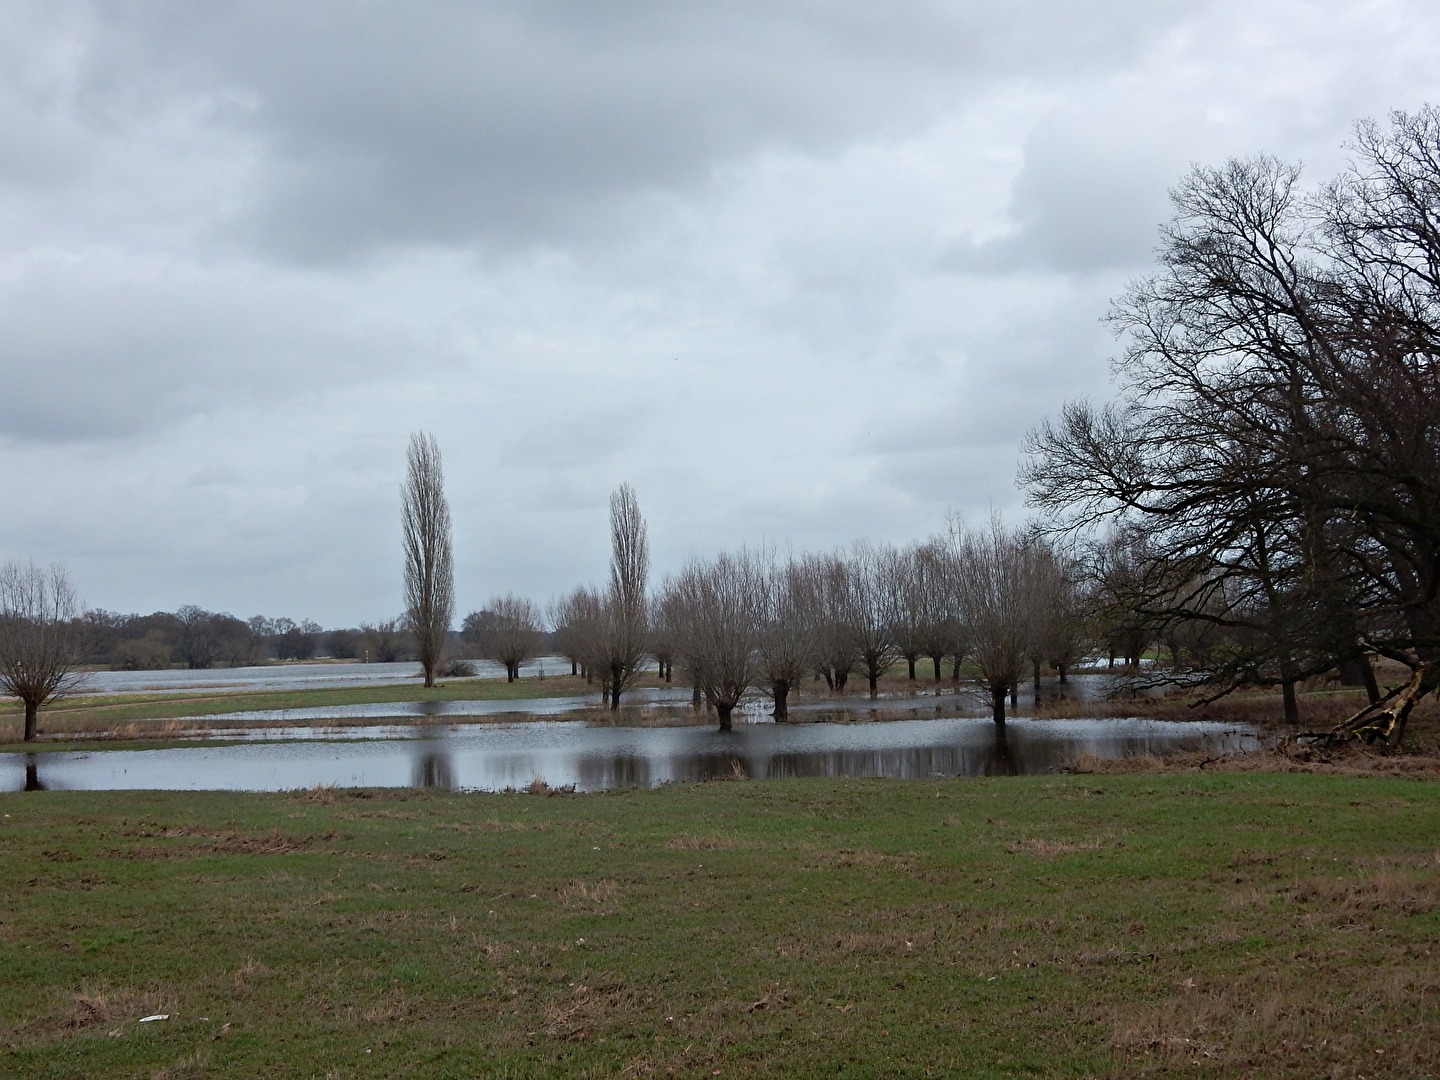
(1274,457)
(750,621)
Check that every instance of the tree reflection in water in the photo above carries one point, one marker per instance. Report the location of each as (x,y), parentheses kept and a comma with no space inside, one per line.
(1003,761)
(32,773)
(434,768)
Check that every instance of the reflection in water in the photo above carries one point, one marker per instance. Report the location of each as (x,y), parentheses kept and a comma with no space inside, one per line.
(434,769)
(494,757)
(32,773)
(1003,762)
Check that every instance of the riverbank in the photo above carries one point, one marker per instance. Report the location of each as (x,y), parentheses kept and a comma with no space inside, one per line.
(1191,924)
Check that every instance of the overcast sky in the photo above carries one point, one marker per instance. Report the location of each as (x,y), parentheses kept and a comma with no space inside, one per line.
(800,271)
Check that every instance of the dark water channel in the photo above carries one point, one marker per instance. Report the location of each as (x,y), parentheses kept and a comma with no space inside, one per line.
(494,757)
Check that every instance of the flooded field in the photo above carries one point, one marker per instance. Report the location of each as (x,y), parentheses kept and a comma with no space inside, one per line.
(494,757)
(316,676)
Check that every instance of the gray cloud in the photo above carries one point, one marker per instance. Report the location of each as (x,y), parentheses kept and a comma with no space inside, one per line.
(445,123)
(800,272)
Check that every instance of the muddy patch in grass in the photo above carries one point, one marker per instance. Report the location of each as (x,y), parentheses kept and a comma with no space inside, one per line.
(703,843)
(94,1010)
(1049,848)
(593,897)
(1266,1023)
(584,1010)
(224,842)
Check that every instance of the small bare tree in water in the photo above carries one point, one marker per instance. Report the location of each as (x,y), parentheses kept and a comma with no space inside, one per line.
(429,571)
(38,639)
(511,635)
(713,612)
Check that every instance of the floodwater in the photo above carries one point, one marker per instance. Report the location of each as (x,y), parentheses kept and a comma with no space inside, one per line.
(291,676)
(496,757)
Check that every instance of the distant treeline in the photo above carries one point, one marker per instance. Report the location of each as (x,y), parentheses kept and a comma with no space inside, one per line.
(192,637)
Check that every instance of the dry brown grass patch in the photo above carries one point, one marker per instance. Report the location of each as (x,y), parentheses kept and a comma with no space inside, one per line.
(192,1067)
(583,1010)
(225,842)
(702,843)
(1267,1022)
(595,897)
(1286,757)
(1391,891)
(1046,848)
(98,1008)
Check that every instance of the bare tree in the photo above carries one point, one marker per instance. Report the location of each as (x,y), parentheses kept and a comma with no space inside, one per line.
(38,637)
(385,641)
(912,605)
(786,628)
(1276,440)
(511,634)
(826,578)
(940,631)
(572,619)
(429,573)
(712,609)
(625,623)
(993,589)
(871,602)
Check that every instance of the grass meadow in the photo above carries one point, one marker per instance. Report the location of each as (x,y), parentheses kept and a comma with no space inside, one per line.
(1176,924)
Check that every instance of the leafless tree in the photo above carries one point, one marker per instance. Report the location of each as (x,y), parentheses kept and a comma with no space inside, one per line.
(713,611)
(624,627)
(940,632)
(993,586)
(385,641)
(512,633)
(826,578)
(1276,440)
(38,636)
(871,601)
(429,573)
(913,592)
(787,622)
(574,620)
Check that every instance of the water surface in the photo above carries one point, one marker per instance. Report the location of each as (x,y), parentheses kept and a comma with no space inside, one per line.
(494,757)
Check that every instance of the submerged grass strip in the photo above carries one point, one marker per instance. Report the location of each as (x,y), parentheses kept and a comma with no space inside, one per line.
(96,712)
(1277,925)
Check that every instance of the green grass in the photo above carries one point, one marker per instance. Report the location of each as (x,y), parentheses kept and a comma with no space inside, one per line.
(1235,924)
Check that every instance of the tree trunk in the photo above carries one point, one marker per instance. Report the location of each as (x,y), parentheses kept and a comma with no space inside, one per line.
(429,675)
(723,708)
(32,717)
(1384,721)
(1063,677)
(616,672)
(997,703)
(780,691)
(1292,707)
(911,661)
(936,661)
(695,697)
(1015,693)
(1035,669)
(574,668)
(874,677)
(829,678)
(841,677)
(669,669)
(955,670)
